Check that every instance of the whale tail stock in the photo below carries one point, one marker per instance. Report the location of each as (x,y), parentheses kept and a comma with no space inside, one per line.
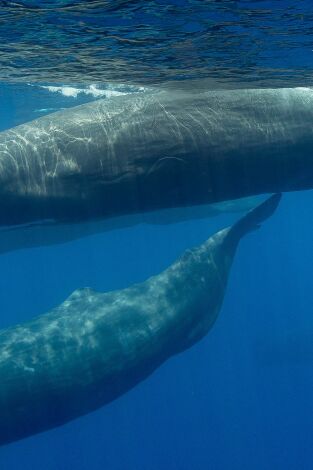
(252,220)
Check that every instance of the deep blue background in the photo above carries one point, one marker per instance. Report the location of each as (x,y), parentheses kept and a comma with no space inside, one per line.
(240,399)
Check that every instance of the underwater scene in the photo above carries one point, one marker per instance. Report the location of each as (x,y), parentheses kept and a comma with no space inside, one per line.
(156,176)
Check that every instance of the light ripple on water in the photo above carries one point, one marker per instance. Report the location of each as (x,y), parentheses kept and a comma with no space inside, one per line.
(230,44)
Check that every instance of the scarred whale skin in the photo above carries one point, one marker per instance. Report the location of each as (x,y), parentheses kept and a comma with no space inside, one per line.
(96,346)
(155,150)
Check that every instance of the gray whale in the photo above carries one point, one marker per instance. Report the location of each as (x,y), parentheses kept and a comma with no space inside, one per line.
(138,154)
(96,346)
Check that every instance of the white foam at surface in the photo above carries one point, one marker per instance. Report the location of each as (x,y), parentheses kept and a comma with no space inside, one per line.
(91,90)
(74,92)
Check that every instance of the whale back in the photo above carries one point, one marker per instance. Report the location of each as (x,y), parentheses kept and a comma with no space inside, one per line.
(152,151)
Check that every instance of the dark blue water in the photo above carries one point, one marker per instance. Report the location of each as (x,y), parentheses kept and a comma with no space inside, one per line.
(243,397)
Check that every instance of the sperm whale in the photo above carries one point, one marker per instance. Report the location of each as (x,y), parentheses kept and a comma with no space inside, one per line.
(96,346)
(116,162)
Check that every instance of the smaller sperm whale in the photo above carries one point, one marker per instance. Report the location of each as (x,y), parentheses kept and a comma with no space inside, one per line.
(96,346)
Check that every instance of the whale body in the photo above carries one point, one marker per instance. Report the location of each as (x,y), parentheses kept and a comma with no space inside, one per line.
(96,346)
(134,155)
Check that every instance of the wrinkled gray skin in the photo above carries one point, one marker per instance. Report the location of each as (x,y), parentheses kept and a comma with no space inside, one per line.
(96,346)
(157,150)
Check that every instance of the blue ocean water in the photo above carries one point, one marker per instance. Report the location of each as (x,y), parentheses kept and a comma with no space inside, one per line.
(228,43)
(242,398)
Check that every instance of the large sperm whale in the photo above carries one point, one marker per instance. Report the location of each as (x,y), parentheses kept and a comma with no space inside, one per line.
(115,162)
(96,346)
